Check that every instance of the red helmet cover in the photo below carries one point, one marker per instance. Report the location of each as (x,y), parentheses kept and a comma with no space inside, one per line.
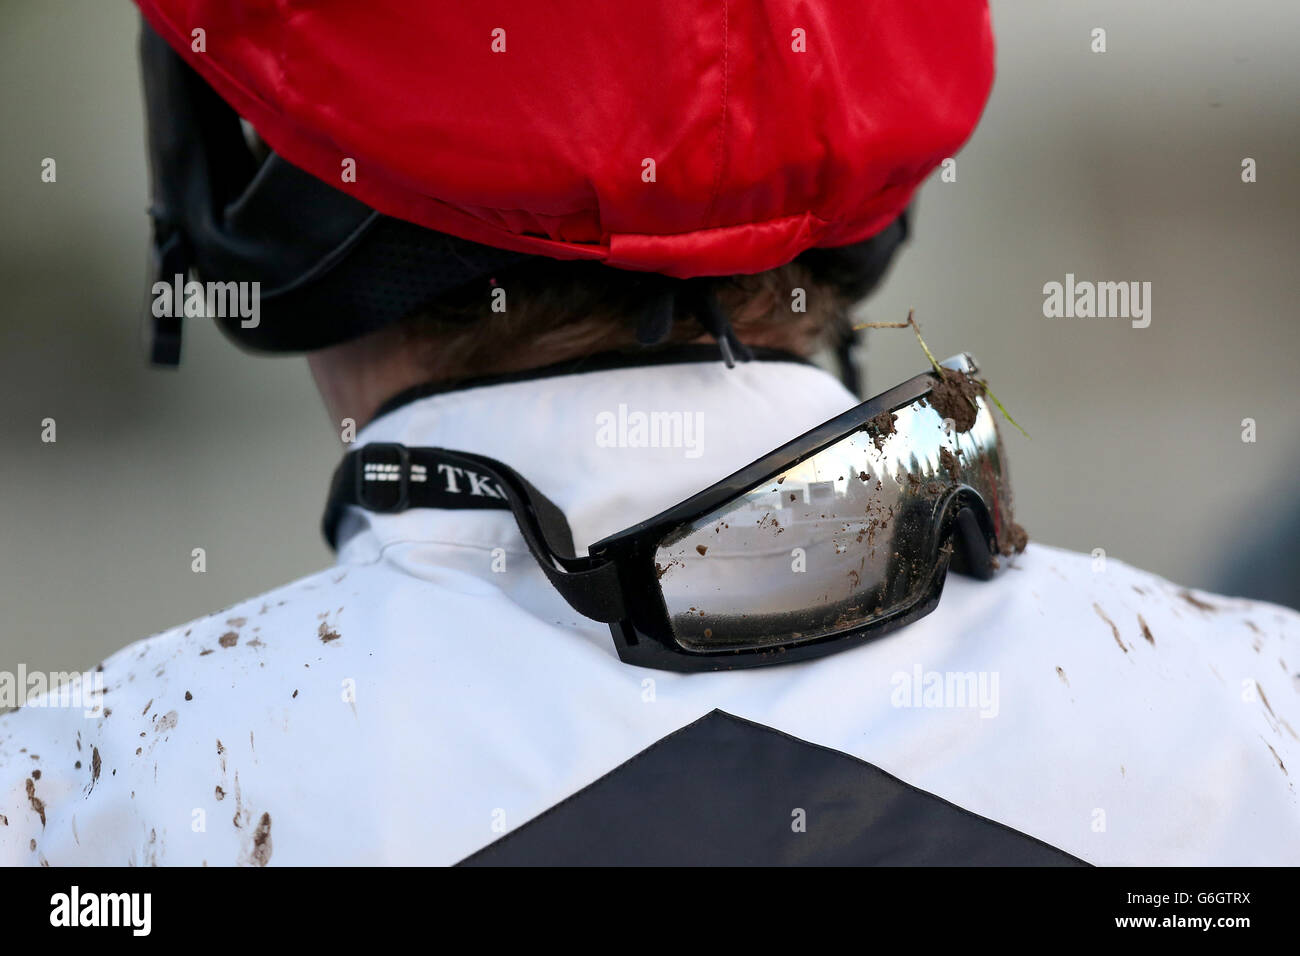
(772,126)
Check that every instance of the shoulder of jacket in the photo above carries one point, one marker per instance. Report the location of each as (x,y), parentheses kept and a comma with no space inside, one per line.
(74,758)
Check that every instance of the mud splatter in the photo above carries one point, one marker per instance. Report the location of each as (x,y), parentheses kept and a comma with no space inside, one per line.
(1113,629)
(1196,602)
(702,549)
(95,764)
(1263,699)
(166,722)
(229,639)
(38,805)
(150,850)
(260,854)
(236,621)
(239,804)
(219,793)
(189,696)
(326,634)
(1276,757)
(146,707)
(1146,631)
(1060,672)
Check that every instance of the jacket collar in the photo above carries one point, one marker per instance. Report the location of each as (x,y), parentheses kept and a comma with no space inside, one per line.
(610,447)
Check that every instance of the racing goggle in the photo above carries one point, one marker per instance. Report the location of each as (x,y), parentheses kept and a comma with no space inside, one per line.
(840,536)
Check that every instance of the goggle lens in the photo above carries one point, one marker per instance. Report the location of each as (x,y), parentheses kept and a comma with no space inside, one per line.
(841,539)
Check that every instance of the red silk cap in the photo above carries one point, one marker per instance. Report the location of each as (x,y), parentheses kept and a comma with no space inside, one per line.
(687,138)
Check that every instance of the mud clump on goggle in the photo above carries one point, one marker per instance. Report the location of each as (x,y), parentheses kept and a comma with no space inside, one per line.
(949,461)
(880,428)
(953,397)
(1017,539)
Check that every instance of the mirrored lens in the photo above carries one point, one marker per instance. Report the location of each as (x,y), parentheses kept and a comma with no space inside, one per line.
(833,543)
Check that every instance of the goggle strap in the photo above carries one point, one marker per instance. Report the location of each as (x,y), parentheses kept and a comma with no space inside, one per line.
(386,478)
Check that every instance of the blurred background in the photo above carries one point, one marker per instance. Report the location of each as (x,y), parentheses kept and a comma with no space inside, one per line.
(1122,166)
